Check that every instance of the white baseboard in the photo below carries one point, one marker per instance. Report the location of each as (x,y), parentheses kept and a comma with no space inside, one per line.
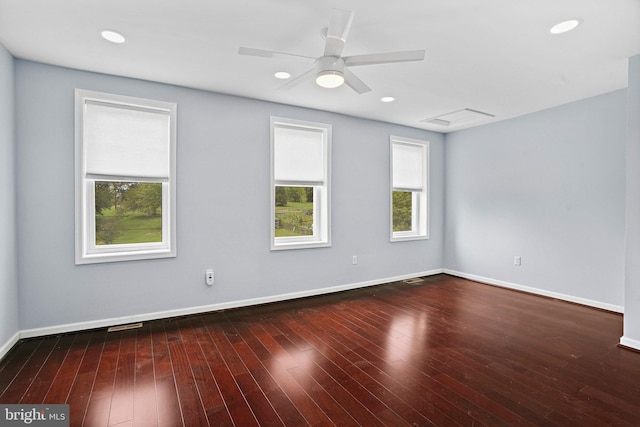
(4,348)
(102,323)
(570,298)
(631,343)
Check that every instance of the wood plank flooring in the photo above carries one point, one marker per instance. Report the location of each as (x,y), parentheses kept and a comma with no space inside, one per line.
(448,352)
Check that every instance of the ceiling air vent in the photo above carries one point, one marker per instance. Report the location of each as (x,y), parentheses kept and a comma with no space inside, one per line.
(459,117)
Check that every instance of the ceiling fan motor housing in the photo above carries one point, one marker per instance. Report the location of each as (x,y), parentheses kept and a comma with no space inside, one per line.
(330,63)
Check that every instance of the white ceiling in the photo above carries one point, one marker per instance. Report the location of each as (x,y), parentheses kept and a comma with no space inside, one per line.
(494,56)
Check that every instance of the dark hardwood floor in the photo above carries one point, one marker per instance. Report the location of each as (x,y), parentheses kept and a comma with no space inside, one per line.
(447,352)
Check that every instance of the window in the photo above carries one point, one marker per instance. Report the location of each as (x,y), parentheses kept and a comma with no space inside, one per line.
(300,153)
(409,185)
(125,178)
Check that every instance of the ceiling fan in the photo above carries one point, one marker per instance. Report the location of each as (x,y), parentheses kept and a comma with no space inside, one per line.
(331,69)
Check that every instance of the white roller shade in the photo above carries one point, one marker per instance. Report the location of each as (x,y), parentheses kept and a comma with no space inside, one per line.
(408,166)
(298,155)
(124,141)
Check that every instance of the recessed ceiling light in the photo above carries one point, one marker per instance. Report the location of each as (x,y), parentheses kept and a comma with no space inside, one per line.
(112,36)
(565,26)
(387,99)
(282,75)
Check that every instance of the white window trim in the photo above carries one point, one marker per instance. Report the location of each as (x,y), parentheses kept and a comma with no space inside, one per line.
(420,209)
(322,195)
(86,250)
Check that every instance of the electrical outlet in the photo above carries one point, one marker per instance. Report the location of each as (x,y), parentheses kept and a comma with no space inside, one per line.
(517,260)
(208,277)
(354,260)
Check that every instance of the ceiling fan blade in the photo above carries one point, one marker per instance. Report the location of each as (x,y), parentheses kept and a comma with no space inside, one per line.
(271,54)
(339,25)
(299,79)
(384,58)
(355,83)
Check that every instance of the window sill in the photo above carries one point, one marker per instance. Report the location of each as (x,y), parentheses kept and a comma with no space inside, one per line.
(299,245)
(408,237)
(98,258)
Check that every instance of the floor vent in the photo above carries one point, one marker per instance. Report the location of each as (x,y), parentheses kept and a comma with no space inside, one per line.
(125,327)
(414,281)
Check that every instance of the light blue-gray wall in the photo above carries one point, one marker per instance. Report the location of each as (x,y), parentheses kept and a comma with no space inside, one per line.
(223,206)
(632,268)
(8,271)
(549,187)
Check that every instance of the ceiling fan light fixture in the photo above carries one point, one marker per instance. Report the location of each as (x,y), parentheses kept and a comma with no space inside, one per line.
(330,79)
